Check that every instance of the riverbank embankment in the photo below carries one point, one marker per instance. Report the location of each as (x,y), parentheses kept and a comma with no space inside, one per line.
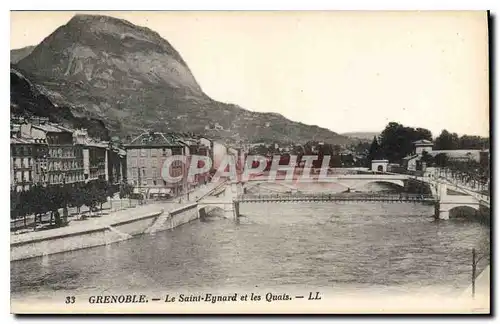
(102,230)
(110,227)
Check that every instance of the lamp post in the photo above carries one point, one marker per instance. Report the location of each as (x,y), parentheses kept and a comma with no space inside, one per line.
(475,261)
(65,202)
(139,181)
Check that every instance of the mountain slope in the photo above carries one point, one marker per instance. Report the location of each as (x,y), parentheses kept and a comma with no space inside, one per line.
(132,79)
(18,54)
(28,99)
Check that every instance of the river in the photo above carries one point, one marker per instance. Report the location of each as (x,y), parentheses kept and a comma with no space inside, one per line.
(396,247)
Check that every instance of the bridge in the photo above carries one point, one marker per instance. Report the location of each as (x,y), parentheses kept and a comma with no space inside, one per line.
(445,202)
(323,197)
(227,195)
(348,181)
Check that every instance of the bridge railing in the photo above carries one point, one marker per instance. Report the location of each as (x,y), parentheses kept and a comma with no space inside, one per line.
(336,196)
(213,188)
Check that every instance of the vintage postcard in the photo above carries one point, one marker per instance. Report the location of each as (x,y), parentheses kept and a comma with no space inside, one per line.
(285,162)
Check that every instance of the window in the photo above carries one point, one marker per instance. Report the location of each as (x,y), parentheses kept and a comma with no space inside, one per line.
(153,152)
(141,163)
(143,152)
(19,176)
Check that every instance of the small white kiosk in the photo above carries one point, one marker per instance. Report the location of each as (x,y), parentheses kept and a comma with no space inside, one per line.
(380,165)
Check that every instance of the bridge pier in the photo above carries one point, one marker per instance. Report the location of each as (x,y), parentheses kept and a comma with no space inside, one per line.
(228,203)
(441,212)
(447,202)
(236,209)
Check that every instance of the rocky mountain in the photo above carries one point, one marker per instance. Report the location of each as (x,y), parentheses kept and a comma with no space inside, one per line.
(28,99)
(133,80)
(18,54)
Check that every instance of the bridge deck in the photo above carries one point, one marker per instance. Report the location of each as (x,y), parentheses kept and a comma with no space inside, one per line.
(248,198)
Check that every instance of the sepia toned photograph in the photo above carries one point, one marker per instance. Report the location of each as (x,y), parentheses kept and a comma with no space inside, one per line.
(250,162)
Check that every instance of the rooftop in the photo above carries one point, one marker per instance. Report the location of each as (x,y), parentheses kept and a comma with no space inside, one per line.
(26,140)
(17,140)
(155,139)
(423,142)
(458,153)
(52,128)
(410,157)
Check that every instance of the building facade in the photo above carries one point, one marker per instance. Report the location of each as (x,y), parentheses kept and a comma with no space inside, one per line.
(64,159)
(146,155)
(95,156)
(22,164)
(116,164)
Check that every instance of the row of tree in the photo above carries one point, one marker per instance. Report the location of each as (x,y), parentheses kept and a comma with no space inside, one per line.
(40,200)
(396,142)
(470,172)
(451,141)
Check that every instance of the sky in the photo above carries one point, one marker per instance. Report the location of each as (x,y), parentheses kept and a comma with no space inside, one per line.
(346,71)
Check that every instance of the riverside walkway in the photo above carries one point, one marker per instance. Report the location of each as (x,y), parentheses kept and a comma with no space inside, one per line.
(109,217)
(96,222)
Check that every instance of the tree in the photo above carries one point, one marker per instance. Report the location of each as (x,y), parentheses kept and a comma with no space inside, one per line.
(39,201)
(77,197)
(90,196)
(396,140)
(110,192)
(473,142)
(441,160)
(56,195)
(447,141)
(427,158)
(374,151)
(102,188)
(14,204)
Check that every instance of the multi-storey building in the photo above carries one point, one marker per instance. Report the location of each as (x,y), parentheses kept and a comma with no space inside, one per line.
(28,157)
(22,164)
(64,163)
(95,156)
(116,163)
(146,155)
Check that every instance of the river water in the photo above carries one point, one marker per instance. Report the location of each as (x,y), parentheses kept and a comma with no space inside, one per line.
(396,247)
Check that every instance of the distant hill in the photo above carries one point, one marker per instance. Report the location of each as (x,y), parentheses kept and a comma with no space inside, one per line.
(133,80)
(18,54)
(368,136)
